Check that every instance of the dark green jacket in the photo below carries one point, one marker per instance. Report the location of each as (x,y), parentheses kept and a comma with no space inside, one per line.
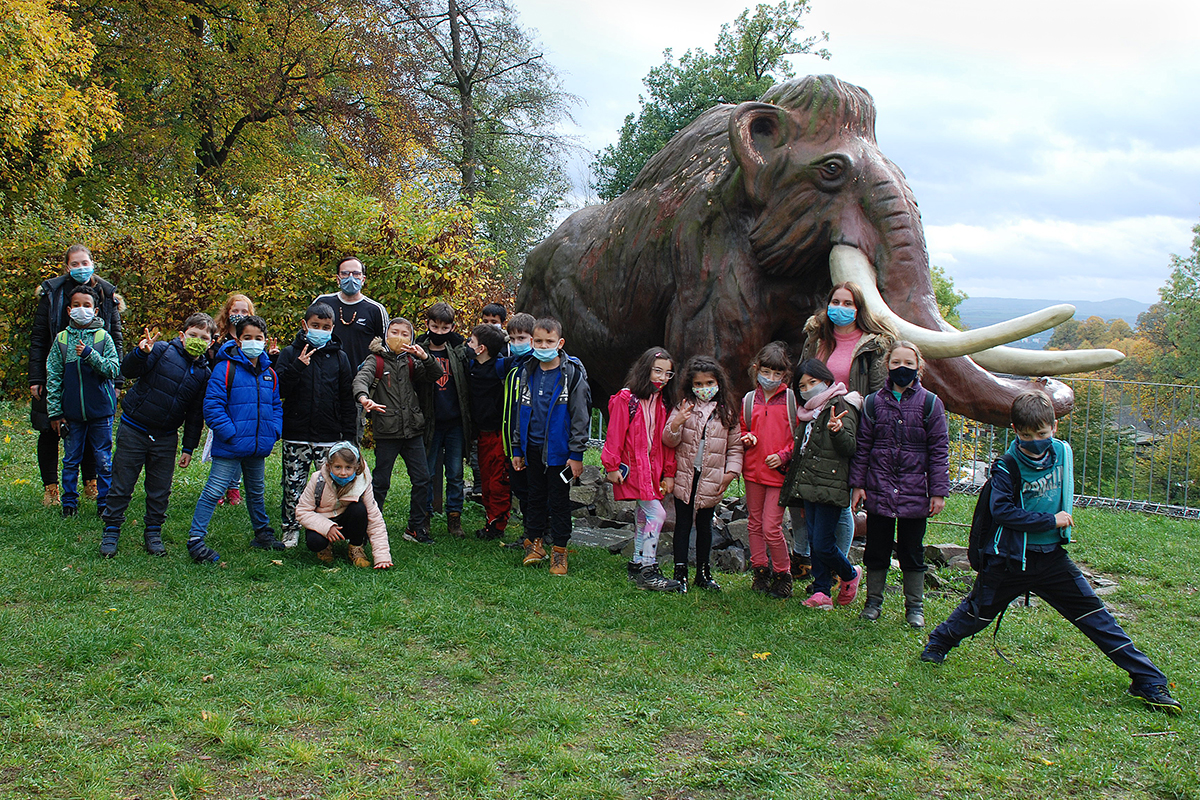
(820,472)
(402,380)
(462,388)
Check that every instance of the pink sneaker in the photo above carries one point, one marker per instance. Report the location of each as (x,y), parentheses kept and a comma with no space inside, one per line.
(849,589)
(821,601)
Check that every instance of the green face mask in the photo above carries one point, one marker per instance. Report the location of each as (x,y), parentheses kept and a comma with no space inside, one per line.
(195,346)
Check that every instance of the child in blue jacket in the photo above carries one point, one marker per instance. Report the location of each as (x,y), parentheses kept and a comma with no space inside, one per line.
(244,411)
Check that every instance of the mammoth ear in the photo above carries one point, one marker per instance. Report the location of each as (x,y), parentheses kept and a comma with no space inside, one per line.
(755,129)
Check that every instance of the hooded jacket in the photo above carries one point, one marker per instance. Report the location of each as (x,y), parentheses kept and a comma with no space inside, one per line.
(80,387)
(397,390)
(570,411)
(627,442)
(51,317)
(318,397)
(317,514)
(242,405)
(820,467)
(169,391)
(722,453)
(1046,489)
(902,459)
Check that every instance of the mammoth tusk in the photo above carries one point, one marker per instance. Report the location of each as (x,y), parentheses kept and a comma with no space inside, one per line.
(1015,361)
(849,264)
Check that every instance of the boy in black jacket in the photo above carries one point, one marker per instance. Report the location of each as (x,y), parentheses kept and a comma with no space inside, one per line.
(485,376)
(171,378)
(315,382)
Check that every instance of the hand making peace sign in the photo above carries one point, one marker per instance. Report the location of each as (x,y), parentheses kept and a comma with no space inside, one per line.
(835,421)
(148,340)
(305,355)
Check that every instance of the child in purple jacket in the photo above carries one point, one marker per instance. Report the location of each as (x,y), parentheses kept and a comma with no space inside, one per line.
(901,469)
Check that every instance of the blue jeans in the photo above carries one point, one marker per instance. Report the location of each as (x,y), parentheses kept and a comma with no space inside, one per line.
(224,474)
(842,536)
(96,436)
(822,522)
(450,441)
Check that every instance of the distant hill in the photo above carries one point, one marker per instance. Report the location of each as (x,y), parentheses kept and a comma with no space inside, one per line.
(977,312)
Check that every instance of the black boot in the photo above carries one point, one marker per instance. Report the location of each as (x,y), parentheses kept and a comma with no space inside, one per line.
(153,540)
(781,585)
(762,580)
(704,578)
(681,577)
(108,542)
(633,570)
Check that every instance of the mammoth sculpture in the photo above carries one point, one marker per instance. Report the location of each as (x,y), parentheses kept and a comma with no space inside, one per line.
(735,232)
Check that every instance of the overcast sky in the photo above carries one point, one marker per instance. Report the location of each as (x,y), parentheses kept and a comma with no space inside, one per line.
(1053,146)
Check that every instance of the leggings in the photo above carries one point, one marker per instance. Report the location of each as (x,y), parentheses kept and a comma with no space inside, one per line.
(684,513)
(650,518)
(352,521)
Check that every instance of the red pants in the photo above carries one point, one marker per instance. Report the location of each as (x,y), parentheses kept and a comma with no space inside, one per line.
(493,469)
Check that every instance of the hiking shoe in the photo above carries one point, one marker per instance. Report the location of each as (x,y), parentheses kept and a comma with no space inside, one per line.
(108,542)
(1158,698)
(325,556)
(936,655)
(50,498)
(801,566)
(234,496)
(152,539)
(820,601)
(419,536)
(535,552)
(651,579)
(69,511)
(849,589)
(762,580)
(558,560)
(454,524)
(781,585)
(202,553)
(265,540)
(358,556)
(90,490)
(632,570)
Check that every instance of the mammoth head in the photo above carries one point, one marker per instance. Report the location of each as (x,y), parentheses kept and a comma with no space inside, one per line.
(827,205)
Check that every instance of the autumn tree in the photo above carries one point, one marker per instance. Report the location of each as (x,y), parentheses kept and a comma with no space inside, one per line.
(948,298)
(750,55)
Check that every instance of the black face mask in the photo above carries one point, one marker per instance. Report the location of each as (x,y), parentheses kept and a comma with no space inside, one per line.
(439,338)
(902,376)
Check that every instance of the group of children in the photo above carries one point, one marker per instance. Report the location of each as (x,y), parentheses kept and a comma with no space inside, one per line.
(800,439)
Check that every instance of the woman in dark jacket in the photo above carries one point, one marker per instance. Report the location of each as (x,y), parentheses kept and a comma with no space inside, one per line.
(902,471)
(49,320)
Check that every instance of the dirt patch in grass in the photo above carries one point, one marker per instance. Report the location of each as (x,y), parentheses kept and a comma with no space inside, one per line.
(682,744)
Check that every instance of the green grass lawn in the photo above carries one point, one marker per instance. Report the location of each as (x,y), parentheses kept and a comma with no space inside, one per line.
(461,674)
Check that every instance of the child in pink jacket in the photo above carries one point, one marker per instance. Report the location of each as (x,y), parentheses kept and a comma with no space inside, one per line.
(338,504)
(638,464)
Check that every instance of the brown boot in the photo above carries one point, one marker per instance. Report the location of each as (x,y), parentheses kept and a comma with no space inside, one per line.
(358,557)
(325,556)
(762,580)
(90,490)
(558,560)
(535,552)
(454,524)
(50,499)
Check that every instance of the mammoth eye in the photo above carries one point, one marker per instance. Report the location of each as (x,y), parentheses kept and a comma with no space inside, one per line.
(831,170)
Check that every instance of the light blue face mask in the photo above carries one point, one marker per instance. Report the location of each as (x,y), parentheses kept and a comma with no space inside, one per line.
(519,348)
(340,481)
(547,354)
(82,274)
(350,285)
(253,348)
(318,338)
(840,315)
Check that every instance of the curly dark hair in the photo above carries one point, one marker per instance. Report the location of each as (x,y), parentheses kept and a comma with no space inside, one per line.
(727,404)
(637,380)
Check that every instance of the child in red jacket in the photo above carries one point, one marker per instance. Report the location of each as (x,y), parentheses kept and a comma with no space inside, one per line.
(638,464)
(768,425)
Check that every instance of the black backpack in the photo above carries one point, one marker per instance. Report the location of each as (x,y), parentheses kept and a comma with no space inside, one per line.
(983,527)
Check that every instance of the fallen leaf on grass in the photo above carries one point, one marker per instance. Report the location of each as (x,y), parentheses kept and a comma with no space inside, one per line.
(276,562)
(474,721)
(207,678)
(741,713)
(761,656)
(204,715)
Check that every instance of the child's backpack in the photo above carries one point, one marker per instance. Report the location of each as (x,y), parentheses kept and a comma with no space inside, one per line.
(412,373)
(748,410)
(869,406)
(98,335)
(983,527)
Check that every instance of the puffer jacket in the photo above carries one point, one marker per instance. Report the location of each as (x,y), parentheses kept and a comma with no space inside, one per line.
(626,442)
(868,366)
(80,387)
(397,390)
(318,516)
(820,469)
(902,460)
(722,454)
(318,399)
(169,391)
(242,405)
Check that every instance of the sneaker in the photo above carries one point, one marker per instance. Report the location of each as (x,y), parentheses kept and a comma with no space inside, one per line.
(265,540)
(535,552)
(152,540)
(558,560)
(69,511)
(936,655)
(108,542)
(821,601)
(291,539)
(50,497)
(419,536)
(1158,698)
(234,496)
(651,579)
(90,490)
(849,589)
(632,570)
(202,553)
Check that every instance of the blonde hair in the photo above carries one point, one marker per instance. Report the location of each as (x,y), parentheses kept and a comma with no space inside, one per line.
(820,326)
(904,344)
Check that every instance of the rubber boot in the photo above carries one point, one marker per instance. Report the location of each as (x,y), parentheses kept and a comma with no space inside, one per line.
(681,575)
(914,599)
(704,578)
(153,541)
(876,584)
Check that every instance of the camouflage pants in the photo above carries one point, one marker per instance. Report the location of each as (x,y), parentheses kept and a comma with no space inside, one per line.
(298,457)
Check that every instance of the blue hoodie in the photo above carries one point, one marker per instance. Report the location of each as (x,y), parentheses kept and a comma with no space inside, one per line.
(1047,487)
(242,405)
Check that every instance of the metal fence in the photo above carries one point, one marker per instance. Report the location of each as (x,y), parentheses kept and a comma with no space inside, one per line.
(1135,446)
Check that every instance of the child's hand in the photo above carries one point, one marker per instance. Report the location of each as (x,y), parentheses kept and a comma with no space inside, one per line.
(335,534)
(774,461)
(272,346)
(370,405)
(614,477)
(835,421)
(936,504)
(305,355)
(668,486)
(749,439)
(1063,520)
(518,463)
(185,460)
(677,420)
(416,350)
(383,565)
(79,348)
(147,342)
(857,496)
(727,481)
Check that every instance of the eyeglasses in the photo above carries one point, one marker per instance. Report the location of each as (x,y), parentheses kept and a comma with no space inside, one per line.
(350,274)
(662,372)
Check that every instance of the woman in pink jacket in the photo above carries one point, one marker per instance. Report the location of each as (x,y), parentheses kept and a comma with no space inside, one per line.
(338,504)
(638,464)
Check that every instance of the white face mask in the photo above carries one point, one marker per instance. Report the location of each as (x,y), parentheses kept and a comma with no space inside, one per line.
(82,315)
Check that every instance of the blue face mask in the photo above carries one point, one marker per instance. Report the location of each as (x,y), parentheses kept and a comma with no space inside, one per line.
(350,285)
(547,354)
(1036,446)
(340,481)
(318,338)
(253,348)
(519,348)
(840,315)
(82,274)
